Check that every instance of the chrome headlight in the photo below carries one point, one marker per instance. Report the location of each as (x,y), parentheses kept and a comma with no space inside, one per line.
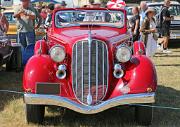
(123,54)
(57,53)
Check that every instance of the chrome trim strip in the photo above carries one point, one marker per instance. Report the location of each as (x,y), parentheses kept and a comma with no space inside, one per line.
(103,68)
(82,72)
(89,45)
(76,70)
(97,62)
(39,99)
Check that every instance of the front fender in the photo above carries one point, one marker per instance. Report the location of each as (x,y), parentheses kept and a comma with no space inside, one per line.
(40,68)
(142,77)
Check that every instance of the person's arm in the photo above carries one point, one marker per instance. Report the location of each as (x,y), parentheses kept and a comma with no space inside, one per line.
(143,28)
(29,13)
(17,13)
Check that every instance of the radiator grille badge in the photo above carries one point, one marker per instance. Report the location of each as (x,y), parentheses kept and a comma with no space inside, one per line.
(89,99)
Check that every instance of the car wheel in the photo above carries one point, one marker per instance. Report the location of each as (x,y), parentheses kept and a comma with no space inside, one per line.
(144,115)
(35,113)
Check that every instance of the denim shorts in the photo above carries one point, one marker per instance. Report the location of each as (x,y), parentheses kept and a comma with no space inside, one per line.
(26,38)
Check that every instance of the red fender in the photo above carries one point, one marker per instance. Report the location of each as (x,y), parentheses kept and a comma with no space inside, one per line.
(40,68)
(139,48)
(142,77)
(43,45)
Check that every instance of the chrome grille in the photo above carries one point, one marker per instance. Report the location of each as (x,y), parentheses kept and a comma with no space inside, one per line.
(90,71)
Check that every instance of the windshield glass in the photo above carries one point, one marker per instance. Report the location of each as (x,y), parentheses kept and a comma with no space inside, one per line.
(174,9)
(84,17)
(10,17)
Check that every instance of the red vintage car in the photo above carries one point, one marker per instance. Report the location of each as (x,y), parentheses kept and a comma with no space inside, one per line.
(88,64)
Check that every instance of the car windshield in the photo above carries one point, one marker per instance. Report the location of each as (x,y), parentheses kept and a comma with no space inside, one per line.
(129,11)
(93,17)
(174,9)
(9,17)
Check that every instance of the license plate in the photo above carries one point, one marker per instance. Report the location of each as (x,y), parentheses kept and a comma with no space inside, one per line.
(48,88)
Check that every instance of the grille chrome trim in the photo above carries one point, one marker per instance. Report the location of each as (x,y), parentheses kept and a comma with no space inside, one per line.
(97,94)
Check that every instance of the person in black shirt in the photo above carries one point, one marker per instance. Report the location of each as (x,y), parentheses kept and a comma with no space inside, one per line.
(135,23)
(166,21)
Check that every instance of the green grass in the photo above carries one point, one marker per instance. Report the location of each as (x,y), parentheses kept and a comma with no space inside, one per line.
(168,94)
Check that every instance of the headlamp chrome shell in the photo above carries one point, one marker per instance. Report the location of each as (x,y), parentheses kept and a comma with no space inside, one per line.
(57,53)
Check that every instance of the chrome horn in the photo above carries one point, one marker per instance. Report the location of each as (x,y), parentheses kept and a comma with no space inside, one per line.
(61,72)
(118,72)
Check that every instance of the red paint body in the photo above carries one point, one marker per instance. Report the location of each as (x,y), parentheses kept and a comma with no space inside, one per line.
(140,73)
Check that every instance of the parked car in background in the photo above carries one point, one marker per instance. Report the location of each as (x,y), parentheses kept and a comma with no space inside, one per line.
(129,8)
(174,11)
(89,65)
(8,54)
(12,32)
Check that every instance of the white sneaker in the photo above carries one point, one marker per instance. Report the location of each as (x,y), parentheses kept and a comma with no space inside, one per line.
(159,48)
(167,51)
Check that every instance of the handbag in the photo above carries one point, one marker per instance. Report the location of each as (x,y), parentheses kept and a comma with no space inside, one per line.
(155,36)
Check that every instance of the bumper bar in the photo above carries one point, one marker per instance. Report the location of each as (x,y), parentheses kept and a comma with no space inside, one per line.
(40,99)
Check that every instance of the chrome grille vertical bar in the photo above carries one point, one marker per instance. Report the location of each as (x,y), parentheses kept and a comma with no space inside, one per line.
(76,71)
(97,81)
(82,85)
(103,66)
(89,96)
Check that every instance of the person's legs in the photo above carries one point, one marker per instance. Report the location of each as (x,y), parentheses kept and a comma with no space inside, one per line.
(21,38)
(166,41)
(166,36)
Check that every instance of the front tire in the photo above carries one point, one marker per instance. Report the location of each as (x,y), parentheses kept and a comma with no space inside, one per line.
(35,113)
(144,115)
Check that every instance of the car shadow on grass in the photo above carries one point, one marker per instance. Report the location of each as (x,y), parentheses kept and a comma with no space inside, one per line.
(123,115)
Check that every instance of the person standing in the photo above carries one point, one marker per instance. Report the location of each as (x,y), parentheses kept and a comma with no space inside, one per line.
(149,30)
(143,8)
(135,23)
(165,29)
(26,16)
(4,24)
(50,9)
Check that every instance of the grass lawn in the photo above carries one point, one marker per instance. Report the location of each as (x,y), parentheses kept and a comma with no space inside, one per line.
(168,94)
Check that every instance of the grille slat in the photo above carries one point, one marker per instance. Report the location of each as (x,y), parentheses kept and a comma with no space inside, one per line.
(90,71)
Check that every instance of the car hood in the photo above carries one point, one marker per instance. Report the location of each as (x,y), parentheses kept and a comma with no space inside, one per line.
(71,35)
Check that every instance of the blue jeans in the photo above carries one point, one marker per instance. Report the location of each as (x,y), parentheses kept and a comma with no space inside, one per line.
(26,38)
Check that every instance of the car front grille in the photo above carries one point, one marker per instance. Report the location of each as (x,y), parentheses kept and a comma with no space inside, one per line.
(90,71)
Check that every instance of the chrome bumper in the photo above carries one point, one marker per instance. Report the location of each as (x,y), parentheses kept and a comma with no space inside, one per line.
(39,99)
(174,35)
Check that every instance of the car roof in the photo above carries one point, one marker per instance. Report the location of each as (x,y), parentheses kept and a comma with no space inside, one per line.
(161,3)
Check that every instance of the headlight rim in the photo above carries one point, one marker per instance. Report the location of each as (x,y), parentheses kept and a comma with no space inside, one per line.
(60,46)
(130,51)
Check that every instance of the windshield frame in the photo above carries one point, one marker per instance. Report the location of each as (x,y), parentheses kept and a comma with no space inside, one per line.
(92,23)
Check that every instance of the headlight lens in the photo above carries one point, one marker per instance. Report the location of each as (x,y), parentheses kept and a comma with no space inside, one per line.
(57,53)
(123,54)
